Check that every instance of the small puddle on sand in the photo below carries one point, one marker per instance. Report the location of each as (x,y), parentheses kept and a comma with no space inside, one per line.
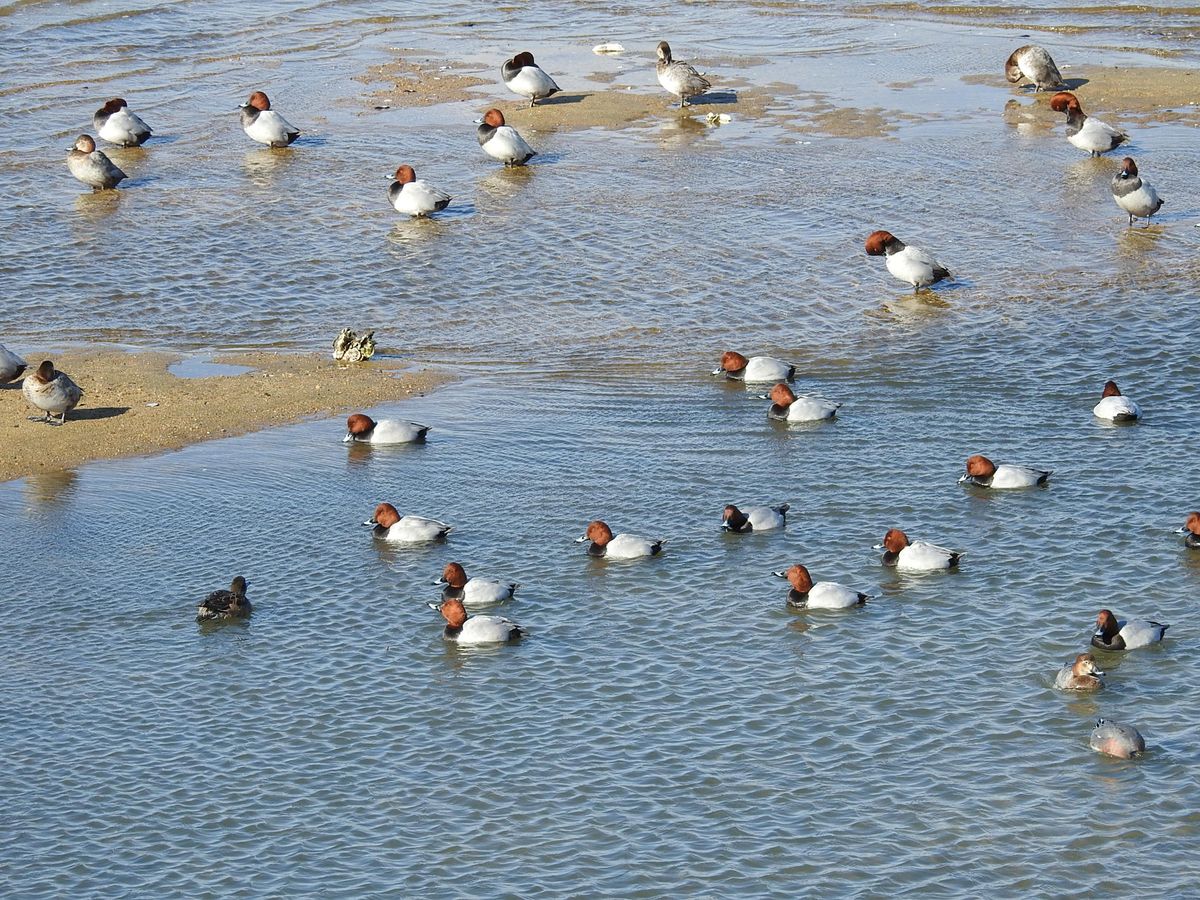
(204,367)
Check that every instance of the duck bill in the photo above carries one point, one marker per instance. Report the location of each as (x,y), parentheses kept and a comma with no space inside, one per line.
(879,547)
(348,439)
(440,581)
(581,540)
(779,574)
(436,607)
(371,523)
(1181,530)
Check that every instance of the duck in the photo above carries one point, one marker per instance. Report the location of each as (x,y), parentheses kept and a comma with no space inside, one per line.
(51,391)
(787,407)
(822,595)
(1090,135)
(1115,739)
(1082,674)
(1191,528)
(92,166)
(265,125)
(363,429)
(1134,194)
(736,367)
(464,629)
(1114,634)
(12,366)
(1036,64)
(389,525)
(503,142)
(982,472)
(678,78)
(622,546)
(526,78)
(754,518)
(415,197)
(117,124)
(915,556)
(908,264)
(473,591)
(224,606)
(1115,406)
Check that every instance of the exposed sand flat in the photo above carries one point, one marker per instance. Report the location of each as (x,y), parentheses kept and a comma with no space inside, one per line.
(114,420)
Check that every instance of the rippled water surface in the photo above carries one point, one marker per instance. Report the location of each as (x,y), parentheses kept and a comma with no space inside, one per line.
(668,727)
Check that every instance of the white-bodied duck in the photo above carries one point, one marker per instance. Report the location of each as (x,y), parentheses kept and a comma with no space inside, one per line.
(822,595)
(413,196)
(12,366)
(363,429)
(464,629)
(602,542)
(116,123)
(915,556)
(389,525)
(1088,134)
(526,78)
(909,264)
(754,518)
(502,142)
(786,406)
(1135,194)
(982,472)
(1118,634)
(736,367)
(265,125)
(473,592)
(1115,406)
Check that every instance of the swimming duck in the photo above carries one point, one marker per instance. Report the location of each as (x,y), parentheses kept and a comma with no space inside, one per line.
(223,606)
(908,264)
(1081,675)
(787,407)
(1133,193)
(822,595)
(1086,133)
(622,546)
(526,78)
(1035,63)
(265,125)
(502,142)
(1192,529)
(51,391)
(757,368)
(473,591)
(1114,739)
(12,366)
(678,78)
(754,518)
(983,472)
(365,430)
(915,556)
(1115,406)
(92,166)
(475,629)
(391,526)
(415,197)
(116,124)
(1112,634)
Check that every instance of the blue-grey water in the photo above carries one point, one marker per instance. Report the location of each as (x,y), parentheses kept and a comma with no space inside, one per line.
(668,727)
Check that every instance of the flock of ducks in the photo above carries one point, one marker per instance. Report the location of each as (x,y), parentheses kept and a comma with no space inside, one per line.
(55,394)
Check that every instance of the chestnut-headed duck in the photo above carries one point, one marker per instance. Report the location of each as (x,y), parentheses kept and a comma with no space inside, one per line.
(475,629)
(602,542)
(787,407)
(92,166)
(473,591)
(1135,194)
(525,78)
(736,367)
(982,472)
(265,125)
(908,264)
(12,366)
(1191,528)
(224,606)
(1115,406)
(1114,739)
(822,595)
(119,125)
(677,77)
(1081,675)
(1088,134)
(502,142)
(391,526)
(915,556)
(51,391)
(1036,64)
(754,518)
(1118,634)
(365,430)
(413,196)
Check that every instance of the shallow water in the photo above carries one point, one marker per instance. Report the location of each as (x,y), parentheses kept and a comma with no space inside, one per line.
(668,726)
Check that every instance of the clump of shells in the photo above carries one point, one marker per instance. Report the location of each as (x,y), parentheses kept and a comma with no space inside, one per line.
(349,347)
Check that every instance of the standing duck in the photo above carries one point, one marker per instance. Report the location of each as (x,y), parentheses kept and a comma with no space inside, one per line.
(1114,634)
(526,78)
(1191,528)
(982,472)
(224,606)
(415,197)
(265,125)
(1115,406)
(1134,194)
(463,629)
(12,366)
(116,124)
(51,391)
(822,595)
(1090,135)
(909,264)
(678,78)
(754,518)
(1036,64)
(915,556)
(787,407)
(92,166)
(503,142)
(736,367)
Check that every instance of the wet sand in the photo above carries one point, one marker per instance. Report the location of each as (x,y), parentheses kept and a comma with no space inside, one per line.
(114,420)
